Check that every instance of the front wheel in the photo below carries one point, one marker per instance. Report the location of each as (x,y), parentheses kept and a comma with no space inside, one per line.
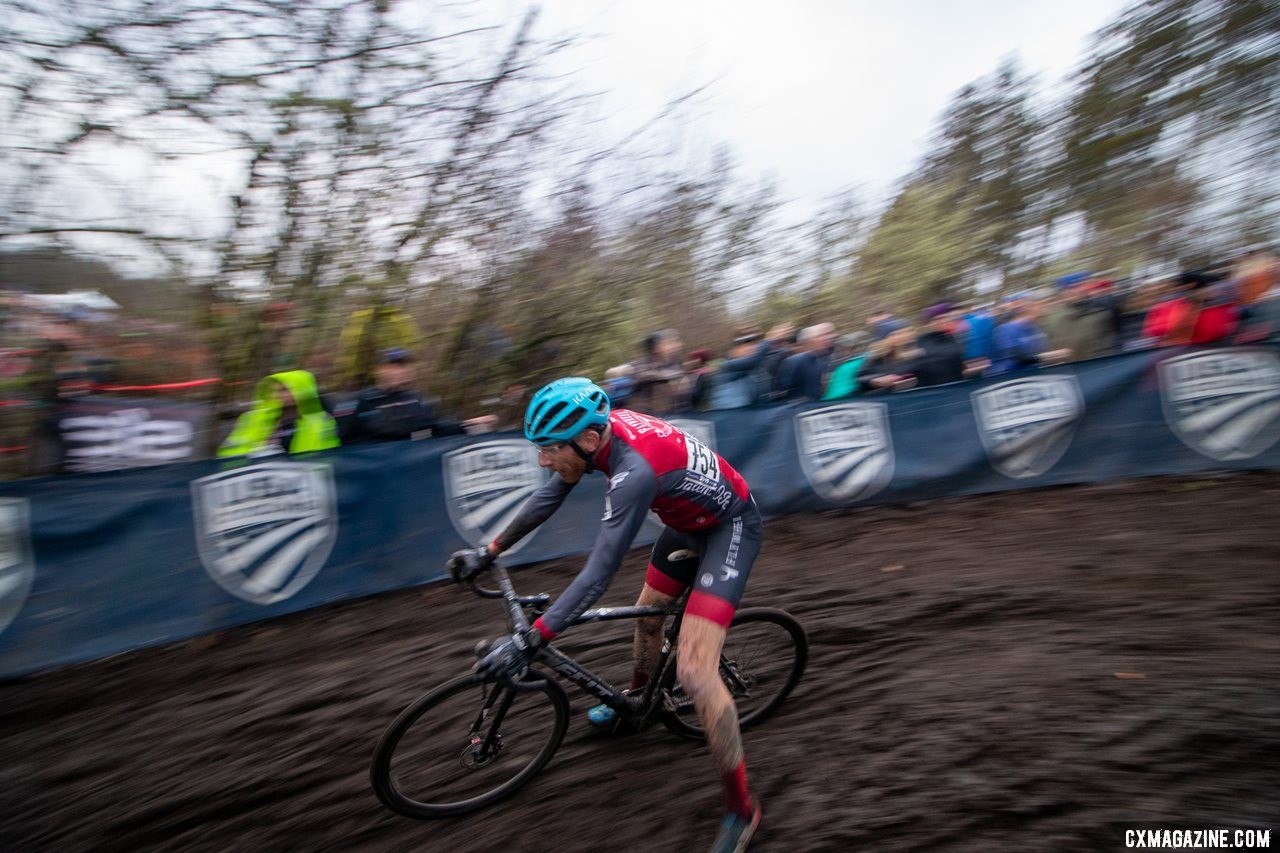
(466,744)
(763,658)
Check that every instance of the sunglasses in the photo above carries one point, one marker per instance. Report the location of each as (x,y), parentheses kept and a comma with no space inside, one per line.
(549,449)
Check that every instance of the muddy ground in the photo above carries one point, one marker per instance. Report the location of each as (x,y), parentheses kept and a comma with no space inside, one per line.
(1028,670)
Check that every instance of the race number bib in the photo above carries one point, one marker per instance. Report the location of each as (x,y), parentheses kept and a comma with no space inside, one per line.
(702,460)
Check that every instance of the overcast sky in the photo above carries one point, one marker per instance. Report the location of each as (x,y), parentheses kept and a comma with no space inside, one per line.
(822,94)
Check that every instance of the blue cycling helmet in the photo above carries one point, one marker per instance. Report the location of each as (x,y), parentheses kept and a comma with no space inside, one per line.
(565,408)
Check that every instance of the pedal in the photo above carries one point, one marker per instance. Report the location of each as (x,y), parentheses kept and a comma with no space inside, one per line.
(602,716)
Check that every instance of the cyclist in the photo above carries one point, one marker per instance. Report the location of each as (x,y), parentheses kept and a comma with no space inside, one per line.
(712,536)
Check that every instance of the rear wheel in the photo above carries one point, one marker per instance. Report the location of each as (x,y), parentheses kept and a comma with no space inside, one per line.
(763,659)
(466,744)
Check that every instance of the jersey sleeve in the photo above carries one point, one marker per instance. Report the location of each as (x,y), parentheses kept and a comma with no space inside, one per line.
(540,506)
(631,493)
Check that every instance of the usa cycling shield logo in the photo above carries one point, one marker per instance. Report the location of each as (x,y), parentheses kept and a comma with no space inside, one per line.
(486,484)
(1027,425)
(845,450)
(17,563)
(263,532)
(1225,404)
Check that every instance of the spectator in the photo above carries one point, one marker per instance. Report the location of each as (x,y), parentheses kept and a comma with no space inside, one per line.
(957,326)
(1135,306)
(941,356)
(890,363)
(1006,308)
(286,416)
(619,384)
(781,340)
(699,376)
(658,373)
(803,372)
(851,353)
(391,411)
(1217,298)
(1108,296)
(883,323)
(1170,317)
(980,341)
(1078,321)
(1264,316)
(1020,342)
(1198,308)
(510,406)
(1256,274)
(740,381)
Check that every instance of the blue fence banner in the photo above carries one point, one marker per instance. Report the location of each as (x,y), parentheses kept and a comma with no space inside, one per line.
(97,564)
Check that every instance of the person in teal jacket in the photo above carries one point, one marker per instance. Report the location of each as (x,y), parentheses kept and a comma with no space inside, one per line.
(843,381)
(286,416)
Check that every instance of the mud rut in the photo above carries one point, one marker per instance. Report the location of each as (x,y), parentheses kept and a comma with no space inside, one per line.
(1026,671)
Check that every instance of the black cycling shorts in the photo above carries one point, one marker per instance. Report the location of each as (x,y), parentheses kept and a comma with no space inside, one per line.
(715,561)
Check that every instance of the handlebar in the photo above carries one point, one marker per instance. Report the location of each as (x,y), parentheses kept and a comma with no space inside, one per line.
(542,599)
(516,604)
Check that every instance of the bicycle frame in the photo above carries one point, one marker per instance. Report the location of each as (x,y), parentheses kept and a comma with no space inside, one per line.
(569,669)
(538,726)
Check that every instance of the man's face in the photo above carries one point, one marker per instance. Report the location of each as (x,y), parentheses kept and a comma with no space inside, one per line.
(394,375)
(564,460)
(669,349)
(902,337)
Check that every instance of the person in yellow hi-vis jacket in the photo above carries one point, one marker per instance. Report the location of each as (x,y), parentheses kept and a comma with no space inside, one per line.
(286,416)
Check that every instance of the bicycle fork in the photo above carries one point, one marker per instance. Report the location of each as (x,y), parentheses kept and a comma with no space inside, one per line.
(484,743)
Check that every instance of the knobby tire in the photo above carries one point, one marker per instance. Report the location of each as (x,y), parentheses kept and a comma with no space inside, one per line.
(436,737)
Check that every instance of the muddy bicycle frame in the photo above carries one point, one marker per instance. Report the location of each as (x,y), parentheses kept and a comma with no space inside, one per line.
(572,671)
(760,670)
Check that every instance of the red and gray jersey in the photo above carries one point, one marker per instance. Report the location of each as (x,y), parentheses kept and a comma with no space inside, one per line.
(651,465)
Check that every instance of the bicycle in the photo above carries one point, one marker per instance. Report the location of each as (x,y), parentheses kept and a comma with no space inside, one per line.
(461,758)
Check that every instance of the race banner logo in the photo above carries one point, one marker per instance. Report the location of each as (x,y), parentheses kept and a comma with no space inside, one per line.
(108,434)
(845,450)
(263,532)
(1224,404)
(17,561)
(486,484)
(1027,425)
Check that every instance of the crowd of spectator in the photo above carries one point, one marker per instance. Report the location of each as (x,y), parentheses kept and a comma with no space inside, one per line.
(1078,317)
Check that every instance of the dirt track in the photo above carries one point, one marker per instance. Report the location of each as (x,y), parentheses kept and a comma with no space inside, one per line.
(1021,671)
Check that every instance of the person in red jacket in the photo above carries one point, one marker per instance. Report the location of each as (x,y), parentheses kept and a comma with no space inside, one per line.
(1200,309)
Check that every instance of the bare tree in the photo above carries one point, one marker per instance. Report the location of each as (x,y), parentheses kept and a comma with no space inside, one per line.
(365,147)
